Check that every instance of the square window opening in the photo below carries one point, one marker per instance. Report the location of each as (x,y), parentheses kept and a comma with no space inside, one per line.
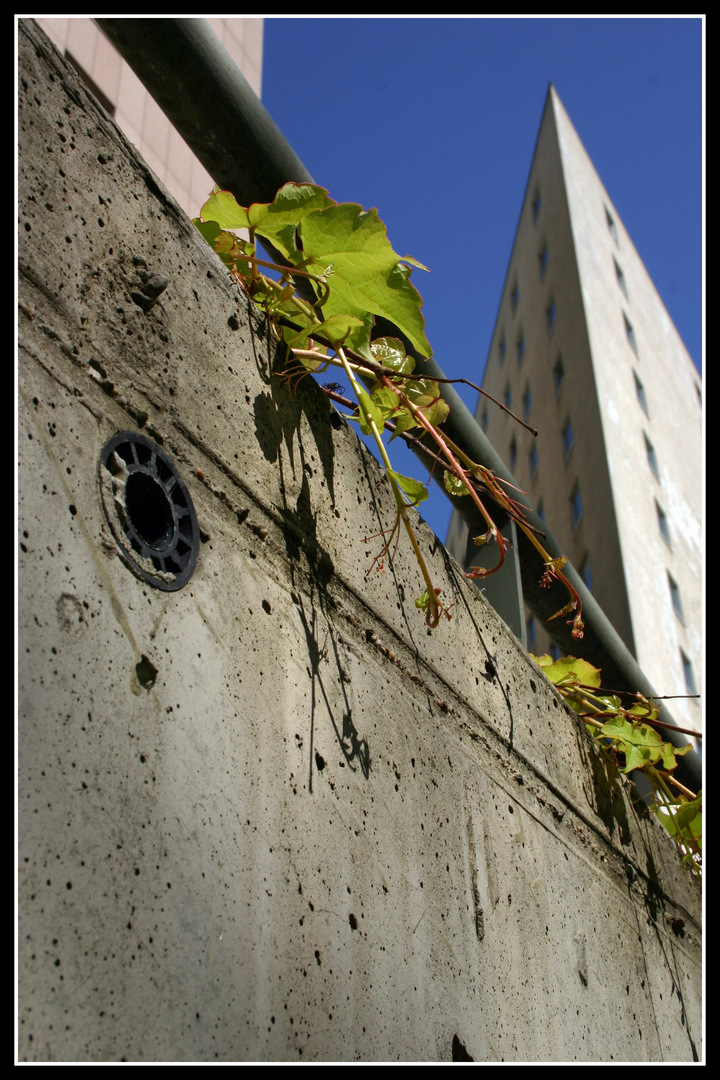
(576,508)
(567,439)
(611,225)
(663,524)
(550,316)
(675,597)
(652,459)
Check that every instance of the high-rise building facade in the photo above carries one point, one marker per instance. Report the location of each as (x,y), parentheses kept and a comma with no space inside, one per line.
(585,351)
(122,94)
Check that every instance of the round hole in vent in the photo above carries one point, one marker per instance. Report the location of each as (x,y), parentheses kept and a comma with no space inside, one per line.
(149,510)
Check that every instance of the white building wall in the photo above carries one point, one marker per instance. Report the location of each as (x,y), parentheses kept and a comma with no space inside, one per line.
(672,425)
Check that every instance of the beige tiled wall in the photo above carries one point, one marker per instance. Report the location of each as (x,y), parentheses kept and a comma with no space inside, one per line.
(136,113)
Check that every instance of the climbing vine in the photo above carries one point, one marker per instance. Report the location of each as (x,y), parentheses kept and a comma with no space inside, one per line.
(340,272)
(336,272)
(627,735)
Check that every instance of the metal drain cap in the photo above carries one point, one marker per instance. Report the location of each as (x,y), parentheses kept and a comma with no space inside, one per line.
(149,510)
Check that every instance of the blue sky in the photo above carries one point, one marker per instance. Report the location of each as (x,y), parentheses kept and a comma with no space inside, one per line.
(434,122)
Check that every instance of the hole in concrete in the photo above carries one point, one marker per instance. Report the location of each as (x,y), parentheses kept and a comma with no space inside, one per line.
(459,1053)
(146,673)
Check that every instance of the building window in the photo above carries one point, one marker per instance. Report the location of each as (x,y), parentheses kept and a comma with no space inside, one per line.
(575,507)
(515,297)
(698,391)
(663,524)
(513,454)
(611,225)
(536,204)
(567,439)
(533,462)
(675,597)
(550,317)
(541,511)
(630,333)
(520,349)
(652,460)
(554,651)
(584,572)
(484,419)
(507,397)
(620,277)
(531,634)
(689,674)
(558,375)
(502,349)
(526,401)
(543,259)
(640,391)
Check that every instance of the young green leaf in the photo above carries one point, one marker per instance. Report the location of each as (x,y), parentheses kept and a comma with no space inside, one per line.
(369,412)
(683,815)
(454,485)
(223,207)
(336,330)
(278,221)
(367,273)
(414,489)
(569,671)
(390,352)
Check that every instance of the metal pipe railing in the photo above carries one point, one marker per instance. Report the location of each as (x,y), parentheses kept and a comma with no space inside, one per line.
(198,86)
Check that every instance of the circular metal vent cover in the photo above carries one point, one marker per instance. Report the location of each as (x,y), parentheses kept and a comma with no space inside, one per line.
(149,510)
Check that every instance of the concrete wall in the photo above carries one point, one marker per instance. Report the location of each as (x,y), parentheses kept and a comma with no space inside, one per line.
(270,816)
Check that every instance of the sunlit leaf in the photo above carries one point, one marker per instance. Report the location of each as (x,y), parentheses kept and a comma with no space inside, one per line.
(454,485)
(278,221)
(390,352)
(569,670)
(223,207)
(369,412)
(386,401)
(368,274)
(414,489)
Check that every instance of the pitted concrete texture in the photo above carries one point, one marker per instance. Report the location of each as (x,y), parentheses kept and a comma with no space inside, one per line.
(271,816)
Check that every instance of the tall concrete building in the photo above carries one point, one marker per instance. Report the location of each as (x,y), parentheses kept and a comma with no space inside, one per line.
(119,90)
(585,351)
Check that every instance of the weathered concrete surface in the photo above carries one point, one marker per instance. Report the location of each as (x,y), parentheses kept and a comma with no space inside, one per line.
(318,831)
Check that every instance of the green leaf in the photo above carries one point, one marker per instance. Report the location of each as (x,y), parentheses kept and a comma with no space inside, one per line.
(386,401)
(404,421)
(416,491)
(337,329)
(223,207)
(684,815)
(645,710)
(390,352)
(423,602)
(369,412)
(569,671)
(208,229)
(641,744)
(454,485)
(368,274)
(414,262)
(278,221)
